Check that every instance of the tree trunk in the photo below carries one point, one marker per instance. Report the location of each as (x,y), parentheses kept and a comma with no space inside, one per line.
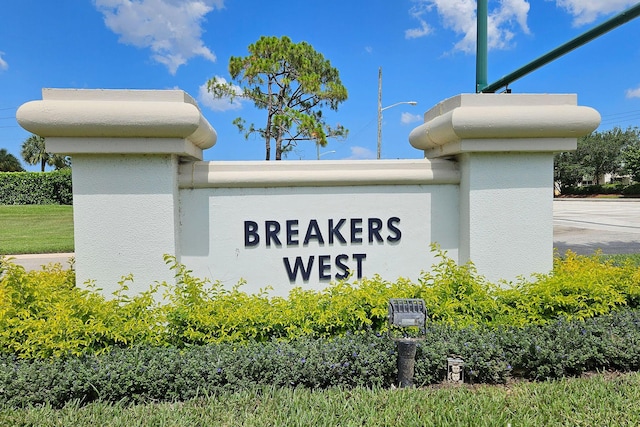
(267,137)
(279,133)
(279,148)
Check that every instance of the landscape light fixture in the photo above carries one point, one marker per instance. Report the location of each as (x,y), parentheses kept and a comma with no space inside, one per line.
(409,315)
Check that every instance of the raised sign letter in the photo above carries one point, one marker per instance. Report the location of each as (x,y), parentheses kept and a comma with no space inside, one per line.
(251,236)
(298,266)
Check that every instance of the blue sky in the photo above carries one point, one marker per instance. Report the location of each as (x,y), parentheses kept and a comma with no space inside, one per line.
(426,49)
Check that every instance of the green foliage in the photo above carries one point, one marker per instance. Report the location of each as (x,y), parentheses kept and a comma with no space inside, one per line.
(622,259)
(34,152)
(569,348)
(631,157)
(9,162)
(568,170)
(155,374)
(200,312)
(600,152)
(42,313)
(144,373)
(578,288)
(456,294)
(293,83)
(631,190)
(597,154)
(34,188)
(590,190)
(64,344)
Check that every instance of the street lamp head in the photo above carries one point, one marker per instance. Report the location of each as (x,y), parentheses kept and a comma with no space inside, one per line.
(398,103)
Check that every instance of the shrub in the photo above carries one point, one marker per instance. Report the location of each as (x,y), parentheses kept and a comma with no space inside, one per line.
(568,348)
(43,314)
(578,287)
(588,190)
(457,294)
(200,312)
(631,190)
(36,188)
(584,190)
(146,373)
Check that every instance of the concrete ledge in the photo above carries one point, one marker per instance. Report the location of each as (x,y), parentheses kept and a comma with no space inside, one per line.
(317,173)
(104,146)
(523,119)
(116,114)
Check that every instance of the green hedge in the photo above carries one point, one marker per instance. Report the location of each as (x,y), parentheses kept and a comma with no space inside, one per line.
(60,343)
(492,355)
(588,190)
(36,188)
(43,313)
(632,190)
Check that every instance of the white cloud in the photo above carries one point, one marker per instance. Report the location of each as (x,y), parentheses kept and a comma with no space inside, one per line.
(633,93)
(218,104)
(408,118)
(419,9)
(368,49)
(460,17)
(414,33)
(170,28)
(585,12)
(361,153)
(504,20)
(3,63)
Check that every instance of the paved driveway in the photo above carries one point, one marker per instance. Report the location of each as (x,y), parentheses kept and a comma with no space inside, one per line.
(34,262)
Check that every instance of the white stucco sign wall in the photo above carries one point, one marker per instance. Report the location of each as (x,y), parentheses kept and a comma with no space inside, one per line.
(483,193)
(287,236)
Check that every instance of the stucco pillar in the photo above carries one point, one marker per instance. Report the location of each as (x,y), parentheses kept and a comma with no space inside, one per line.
(504,144)
(125,148)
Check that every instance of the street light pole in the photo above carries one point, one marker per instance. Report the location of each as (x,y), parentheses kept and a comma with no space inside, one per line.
(380,110)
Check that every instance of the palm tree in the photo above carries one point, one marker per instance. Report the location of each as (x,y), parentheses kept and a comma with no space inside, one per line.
(9,162)
(34,152)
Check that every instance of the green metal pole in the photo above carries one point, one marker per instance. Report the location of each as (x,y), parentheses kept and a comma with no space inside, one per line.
(597,31)
(481,45)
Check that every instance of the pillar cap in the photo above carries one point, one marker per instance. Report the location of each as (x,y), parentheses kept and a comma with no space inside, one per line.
(107,113)
(503,122)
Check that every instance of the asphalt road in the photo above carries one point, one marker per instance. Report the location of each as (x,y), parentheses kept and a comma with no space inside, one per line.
(586,225)
(581,225)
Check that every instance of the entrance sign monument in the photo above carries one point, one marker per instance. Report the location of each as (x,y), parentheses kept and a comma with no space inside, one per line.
(483,192)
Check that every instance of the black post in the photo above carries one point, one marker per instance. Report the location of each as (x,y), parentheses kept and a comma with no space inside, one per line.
(406,362)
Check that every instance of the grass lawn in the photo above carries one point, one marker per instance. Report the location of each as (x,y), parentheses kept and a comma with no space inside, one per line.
(33,229)
(601,400)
